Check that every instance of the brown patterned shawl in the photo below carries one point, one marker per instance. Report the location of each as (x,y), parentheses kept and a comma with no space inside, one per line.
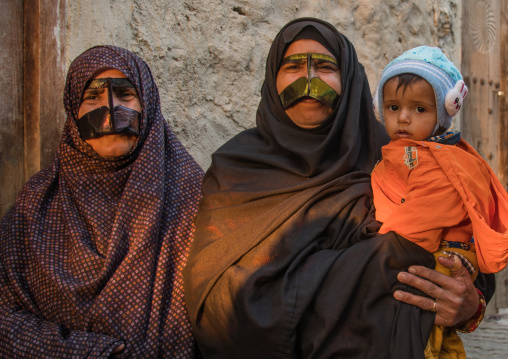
(285,262)
(91,254)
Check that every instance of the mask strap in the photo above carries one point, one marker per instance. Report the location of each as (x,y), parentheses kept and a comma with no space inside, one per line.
(109,86)
(309,69)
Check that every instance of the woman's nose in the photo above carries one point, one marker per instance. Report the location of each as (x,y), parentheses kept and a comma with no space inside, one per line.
(105,100)
(313,72)
(115,101)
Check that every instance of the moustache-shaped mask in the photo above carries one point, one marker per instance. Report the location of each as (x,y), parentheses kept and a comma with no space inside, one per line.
(108,120)
(309,86)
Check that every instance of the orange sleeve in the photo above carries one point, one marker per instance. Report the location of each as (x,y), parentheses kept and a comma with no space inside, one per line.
(486,202)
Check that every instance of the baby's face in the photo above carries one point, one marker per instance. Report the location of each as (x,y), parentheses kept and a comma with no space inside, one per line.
(409,112)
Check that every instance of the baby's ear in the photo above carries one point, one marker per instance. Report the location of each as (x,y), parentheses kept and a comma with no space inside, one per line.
(375,104)
(455,97)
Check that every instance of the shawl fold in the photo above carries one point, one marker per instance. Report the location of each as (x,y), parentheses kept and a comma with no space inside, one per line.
(91,254)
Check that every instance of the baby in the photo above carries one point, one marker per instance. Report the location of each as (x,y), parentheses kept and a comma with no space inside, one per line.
(431,186)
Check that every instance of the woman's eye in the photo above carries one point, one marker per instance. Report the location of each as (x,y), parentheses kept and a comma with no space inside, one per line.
(292,67)
(126,94)
(92,94)
(327,67)
(90,97)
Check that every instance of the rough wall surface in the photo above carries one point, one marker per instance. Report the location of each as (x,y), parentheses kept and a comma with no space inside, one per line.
(208,56)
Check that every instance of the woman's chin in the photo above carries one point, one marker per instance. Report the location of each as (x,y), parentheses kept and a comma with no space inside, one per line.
(113,146)
(309,113)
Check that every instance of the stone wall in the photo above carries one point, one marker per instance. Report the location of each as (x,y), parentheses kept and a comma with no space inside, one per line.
(208,56)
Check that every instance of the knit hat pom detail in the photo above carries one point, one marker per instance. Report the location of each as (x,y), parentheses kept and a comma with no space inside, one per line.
(455,97)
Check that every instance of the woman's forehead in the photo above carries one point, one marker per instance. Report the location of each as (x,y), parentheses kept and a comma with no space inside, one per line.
(307,45)
(112,73)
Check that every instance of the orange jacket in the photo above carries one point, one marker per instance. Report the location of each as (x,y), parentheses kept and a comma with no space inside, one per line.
(426,192)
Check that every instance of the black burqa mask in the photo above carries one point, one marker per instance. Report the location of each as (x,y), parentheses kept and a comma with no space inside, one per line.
(109,120)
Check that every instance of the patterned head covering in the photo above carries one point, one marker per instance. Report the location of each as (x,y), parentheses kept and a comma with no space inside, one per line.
(91,253)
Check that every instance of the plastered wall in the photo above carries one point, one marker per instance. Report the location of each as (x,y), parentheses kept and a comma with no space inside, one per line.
(208,56)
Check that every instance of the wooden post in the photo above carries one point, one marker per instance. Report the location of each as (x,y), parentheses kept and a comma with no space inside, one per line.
(44,81)
(502,278)
(51,77)
(31,84)
(11,104)
(32,81)
(503,97)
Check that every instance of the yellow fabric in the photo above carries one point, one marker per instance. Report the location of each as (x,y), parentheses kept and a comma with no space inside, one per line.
(444,342)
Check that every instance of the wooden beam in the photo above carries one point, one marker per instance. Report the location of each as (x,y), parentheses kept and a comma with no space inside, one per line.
(503,98)
(31,98)
(44,79)
(52,76)
(502,95)
(11,103)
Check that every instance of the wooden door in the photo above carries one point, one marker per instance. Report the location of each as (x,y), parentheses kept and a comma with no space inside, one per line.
(32,76)
(11,102)
(484,121)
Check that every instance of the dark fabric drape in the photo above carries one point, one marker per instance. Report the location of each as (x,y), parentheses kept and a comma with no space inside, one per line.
(285,261)
(91,254)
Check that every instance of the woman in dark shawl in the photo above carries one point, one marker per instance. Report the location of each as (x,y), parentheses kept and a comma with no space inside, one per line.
(91,254)
(286,262)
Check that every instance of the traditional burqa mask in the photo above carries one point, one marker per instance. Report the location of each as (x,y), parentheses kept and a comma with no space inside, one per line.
(109,120)
(309,86)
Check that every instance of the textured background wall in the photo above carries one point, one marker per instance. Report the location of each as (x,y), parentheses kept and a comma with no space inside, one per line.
(208,56)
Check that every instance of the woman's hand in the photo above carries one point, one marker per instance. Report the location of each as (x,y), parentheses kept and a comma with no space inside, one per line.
(455,297)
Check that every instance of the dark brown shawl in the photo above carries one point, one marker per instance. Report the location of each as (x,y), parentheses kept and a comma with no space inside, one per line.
(285,262)
(91,254)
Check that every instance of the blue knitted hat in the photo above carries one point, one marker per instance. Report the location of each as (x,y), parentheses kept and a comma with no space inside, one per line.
(431,64)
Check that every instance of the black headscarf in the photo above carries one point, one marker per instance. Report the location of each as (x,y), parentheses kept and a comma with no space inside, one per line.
(349,140)
(285,261)
(91,254)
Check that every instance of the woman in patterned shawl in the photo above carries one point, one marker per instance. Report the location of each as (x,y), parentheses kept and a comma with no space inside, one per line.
(91,254)
(287,208)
